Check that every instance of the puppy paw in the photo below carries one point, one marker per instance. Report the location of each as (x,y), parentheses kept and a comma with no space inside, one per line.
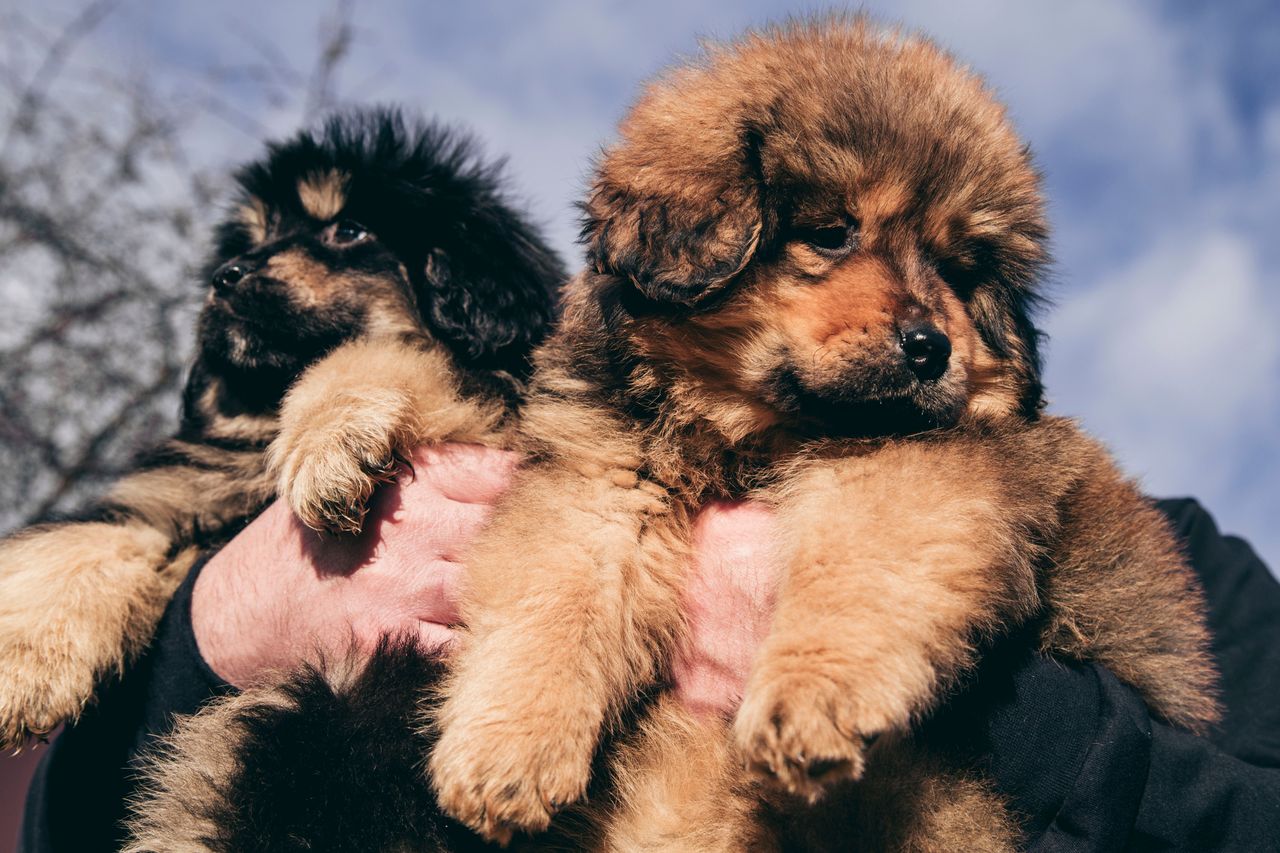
(510,776)
(328,488)
(77,601)
(38,694)
(799,733)
(328,459)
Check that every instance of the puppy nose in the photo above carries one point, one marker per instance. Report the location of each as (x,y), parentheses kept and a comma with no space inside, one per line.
(927,350)
(230,274)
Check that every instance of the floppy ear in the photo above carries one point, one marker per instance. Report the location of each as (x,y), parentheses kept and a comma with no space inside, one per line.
(676,212)
(1004,321)
(490,293)
(1003,302)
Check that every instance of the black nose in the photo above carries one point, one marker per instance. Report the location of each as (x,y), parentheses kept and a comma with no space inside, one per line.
(231,273)
(927,350)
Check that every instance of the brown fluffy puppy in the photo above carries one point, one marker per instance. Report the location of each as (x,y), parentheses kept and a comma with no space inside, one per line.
(812,259)
(370,229)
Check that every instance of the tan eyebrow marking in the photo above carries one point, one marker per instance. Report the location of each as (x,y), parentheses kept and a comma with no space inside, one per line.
(324,194)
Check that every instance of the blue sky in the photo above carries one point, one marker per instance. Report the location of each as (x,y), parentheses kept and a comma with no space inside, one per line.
(1157,126)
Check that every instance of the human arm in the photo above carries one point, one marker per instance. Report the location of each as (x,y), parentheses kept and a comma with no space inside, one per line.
(731,600)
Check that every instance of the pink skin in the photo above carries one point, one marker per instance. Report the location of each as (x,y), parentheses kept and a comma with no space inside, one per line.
(279,594)
(728,604)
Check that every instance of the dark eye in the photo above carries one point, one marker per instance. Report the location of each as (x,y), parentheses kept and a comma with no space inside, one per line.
(967,266)
(833,239)
(348,232)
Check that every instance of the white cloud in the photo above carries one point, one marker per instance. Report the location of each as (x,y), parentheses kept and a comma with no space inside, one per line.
(1167,359)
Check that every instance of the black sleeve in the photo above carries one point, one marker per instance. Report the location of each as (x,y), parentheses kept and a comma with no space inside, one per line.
(76,800)
(1078,755)
(1244,617)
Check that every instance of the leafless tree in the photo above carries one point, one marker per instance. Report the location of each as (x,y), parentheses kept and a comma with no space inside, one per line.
(104,217)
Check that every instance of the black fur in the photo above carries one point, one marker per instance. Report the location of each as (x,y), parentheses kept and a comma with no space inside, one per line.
(344,775)
(472,272)
(341,769)
(482,276)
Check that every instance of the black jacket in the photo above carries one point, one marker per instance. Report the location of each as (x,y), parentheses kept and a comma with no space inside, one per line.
(1074,750)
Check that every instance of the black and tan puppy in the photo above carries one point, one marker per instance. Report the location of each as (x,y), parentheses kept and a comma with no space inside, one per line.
(371,229)
(812,259)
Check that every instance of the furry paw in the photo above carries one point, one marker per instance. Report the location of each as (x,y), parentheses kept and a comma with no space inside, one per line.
(507,777)
(329,459)
(798,732)
(39,690)
(77,601)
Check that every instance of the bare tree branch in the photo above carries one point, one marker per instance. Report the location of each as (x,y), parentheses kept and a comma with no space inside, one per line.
(336,37)
(54,58)
(103,220)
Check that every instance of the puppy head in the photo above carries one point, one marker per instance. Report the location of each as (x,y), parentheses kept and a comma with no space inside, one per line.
(374,226)
(828,224)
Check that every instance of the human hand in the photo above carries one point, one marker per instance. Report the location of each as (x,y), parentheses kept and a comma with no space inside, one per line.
(728,604)
(280,593)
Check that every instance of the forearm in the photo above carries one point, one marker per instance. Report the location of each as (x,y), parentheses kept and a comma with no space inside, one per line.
(178,677)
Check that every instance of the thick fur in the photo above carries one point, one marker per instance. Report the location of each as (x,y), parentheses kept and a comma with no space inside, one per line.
(250,776)
(330,759)
(777,228)
(773,225)
(370,232)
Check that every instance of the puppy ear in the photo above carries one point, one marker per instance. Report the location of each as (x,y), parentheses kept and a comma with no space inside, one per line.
(678,214)
(1004,321)
(490,294)
(1004,304)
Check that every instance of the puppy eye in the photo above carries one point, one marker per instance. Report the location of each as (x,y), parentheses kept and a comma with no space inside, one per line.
(347,232)
(966,267)
(834,239)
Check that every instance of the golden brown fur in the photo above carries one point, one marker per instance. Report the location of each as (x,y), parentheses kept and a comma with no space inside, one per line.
(772,226)
(79,599)
(334,446)
(324,194)
(56,651)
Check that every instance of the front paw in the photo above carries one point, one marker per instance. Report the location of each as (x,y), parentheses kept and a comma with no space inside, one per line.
(508,776)
(328,460)
(800,732)
(37,693)
(76,602)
